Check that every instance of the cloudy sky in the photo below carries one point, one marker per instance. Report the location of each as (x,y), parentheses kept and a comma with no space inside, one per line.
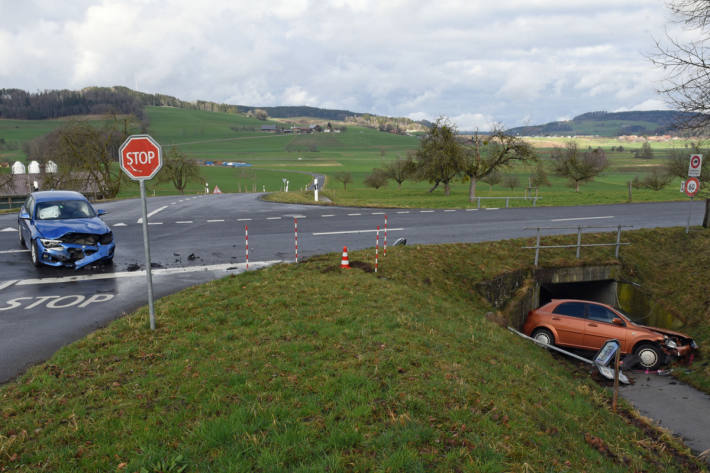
(478,62)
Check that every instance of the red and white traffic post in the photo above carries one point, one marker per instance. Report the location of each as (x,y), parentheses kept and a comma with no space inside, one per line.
(295,236)
(384,248)
(377,246)
(246,245)
(141,157)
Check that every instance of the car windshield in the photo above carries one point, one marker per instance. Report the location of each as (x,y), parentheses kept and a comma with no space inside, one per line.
(64,209)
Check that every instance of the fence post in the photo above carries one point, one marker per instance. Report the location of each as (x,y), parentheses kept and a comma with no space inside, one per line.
(579,240)
(479,203)
(534,201)
(537,247)
(506,202)
(618,241)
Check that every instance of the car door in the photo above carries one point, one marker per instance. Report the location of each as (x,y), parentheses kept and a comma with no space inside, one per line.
(23,224)
(599,327)
(569,321)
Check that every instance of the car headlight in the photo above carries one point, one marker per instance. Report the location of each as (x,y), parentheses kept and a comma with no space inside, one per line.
(671,343)
(48,243)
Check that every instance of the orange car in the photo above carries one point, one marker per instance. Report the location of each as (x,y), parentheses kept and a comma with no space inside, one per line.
(587,325)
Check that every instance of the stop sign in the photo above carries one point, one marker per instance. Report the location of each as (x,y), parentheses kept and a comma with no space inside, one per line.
(141,157)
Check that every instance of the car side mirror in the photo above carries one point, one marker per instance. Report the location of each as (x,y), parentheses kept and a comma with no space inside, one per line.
(618,321)
(24,214)
(100,212)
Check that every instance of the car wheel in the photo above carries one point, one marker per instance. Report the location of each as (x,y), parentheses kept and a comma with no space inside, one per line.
(543,335)
(34,253)
(20,237)
(650,356)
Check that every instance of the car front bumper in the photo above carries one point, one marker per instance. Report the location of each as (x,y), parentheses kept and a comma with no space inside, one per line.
(74,256)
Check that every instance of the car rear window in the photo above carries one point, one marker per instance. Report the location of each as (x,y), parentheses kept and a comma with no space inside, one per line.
(573,309)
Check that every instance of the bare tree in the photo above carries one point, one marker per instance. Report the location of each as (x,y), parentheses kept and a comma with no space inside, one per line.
(490,153)
(655,180)
(376,179)
(179,169)
(440,155)
(400,169)
(344,177)
(579,167)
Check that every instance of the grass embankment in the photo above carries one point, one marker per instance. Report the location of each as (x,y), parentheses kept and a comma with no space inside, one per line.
(309,367)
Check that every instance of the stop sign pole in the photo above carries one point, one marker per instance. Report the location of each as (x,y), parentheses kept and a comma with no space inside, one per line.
(141,157)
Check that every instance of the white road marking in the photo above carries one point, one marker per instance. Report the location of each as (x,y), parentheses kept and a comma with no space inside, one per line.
(377,213)
(14,251)
(155,223)
(491,208)
(140,220)
(354,215)
(215,221)
(449,210)
(173,203)
(8,229)
(184,221)
(355,231)
(243,219)
(403,212)
(273,218)
(426,211)
(121,224)
(5,284)
(579,218)
(141,273)
(471,210)
(328,215)
(296,216)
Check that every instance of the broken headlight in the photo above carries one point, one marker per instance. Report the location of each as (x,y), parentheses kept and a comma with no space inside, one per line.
(49,243)
(670,343)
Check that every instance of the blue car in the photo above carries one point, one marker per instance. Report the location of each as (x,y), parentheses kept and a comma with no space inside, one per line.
(61,228)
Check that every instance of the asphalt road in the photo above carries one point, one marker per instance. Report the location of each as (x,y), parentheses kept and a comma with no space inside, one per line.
(195,239)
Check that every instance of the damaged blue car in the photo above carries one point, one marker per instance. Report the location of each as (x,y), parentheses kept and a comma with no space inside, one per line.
(61,228)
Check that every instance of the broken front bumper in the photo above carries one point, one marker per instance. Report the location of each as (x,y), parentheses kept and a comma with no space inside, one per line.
(74,255)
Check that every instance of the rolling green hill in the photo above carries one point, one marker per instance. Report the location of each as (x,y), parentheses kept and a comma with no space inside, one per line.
(657,122)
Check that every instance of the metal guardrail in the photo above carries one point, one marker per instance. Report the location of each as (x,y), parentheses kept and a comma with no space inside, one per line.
(507,200)
(579,244)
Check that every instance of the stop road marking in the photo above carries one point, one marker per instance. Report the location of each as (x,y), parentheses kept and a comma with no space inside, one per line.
(56,302)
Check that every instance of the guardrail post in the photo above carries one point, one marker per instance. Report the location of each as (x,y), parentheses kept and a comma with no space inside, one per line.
(506,202)
(534,201)
(579,240)
(479,203)
(618,241)
(537,247)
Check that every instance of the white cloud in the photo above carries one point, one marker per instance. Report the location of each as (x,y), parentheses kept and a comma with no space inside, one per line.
(470,59)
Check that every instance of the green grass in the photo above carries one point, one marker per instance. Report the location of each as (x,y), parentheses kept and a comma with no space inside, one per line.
(310,368)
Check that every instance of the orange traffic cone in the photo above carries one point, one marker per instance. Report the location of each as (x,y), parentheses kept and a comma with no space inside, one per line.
(344,262)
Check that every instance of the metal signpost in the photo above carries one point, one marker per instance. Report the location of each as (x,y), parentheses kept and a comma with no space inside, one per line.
(692,185)
(141,157)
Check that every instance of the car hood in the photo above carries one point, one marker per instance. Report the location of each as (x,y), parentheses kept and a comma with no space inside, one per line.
(670,333)
(57,228)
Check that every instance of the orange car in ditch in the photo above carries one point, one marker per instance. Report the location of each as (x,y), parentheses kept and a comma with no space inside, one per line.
(587,325)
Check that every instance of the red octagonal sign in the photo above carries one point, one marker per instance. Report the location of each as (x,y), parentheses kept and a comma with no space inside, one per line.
(141,157)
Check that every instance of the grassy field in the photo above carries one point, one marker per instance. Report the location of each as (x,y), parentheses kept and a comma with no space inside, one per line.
(395,371)
(231,137)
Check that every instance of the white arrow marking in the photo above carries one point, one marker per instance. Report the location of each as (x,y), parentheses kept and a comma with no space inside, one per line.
(8,229)
(140,220)
(120,224)
(13,251)
(579,218)
(5,284)
(356,231)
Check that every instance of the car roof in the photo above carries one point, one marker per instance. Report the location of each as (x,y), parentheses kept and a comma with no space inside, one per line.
(48,196)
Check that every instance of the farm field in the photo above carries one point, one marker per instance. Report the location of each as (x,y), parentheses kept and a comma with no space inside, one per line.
(211,136)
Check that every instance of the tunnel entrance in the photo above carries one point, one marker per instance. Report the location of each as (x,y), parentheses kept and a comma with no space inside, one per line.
(601,291)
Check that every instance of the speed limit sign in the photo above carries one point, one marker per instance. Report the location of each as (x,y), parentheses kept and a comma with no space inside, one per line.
(691,186)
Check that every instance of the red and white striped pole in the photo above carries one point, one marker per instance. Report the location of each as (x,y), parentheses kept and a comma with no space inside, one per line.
(295,236)
(384,249)
(246,242)
(377,246)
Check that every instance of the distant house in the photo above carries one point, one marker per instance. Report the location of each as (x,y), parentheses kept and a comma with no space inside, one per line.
(269,128)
